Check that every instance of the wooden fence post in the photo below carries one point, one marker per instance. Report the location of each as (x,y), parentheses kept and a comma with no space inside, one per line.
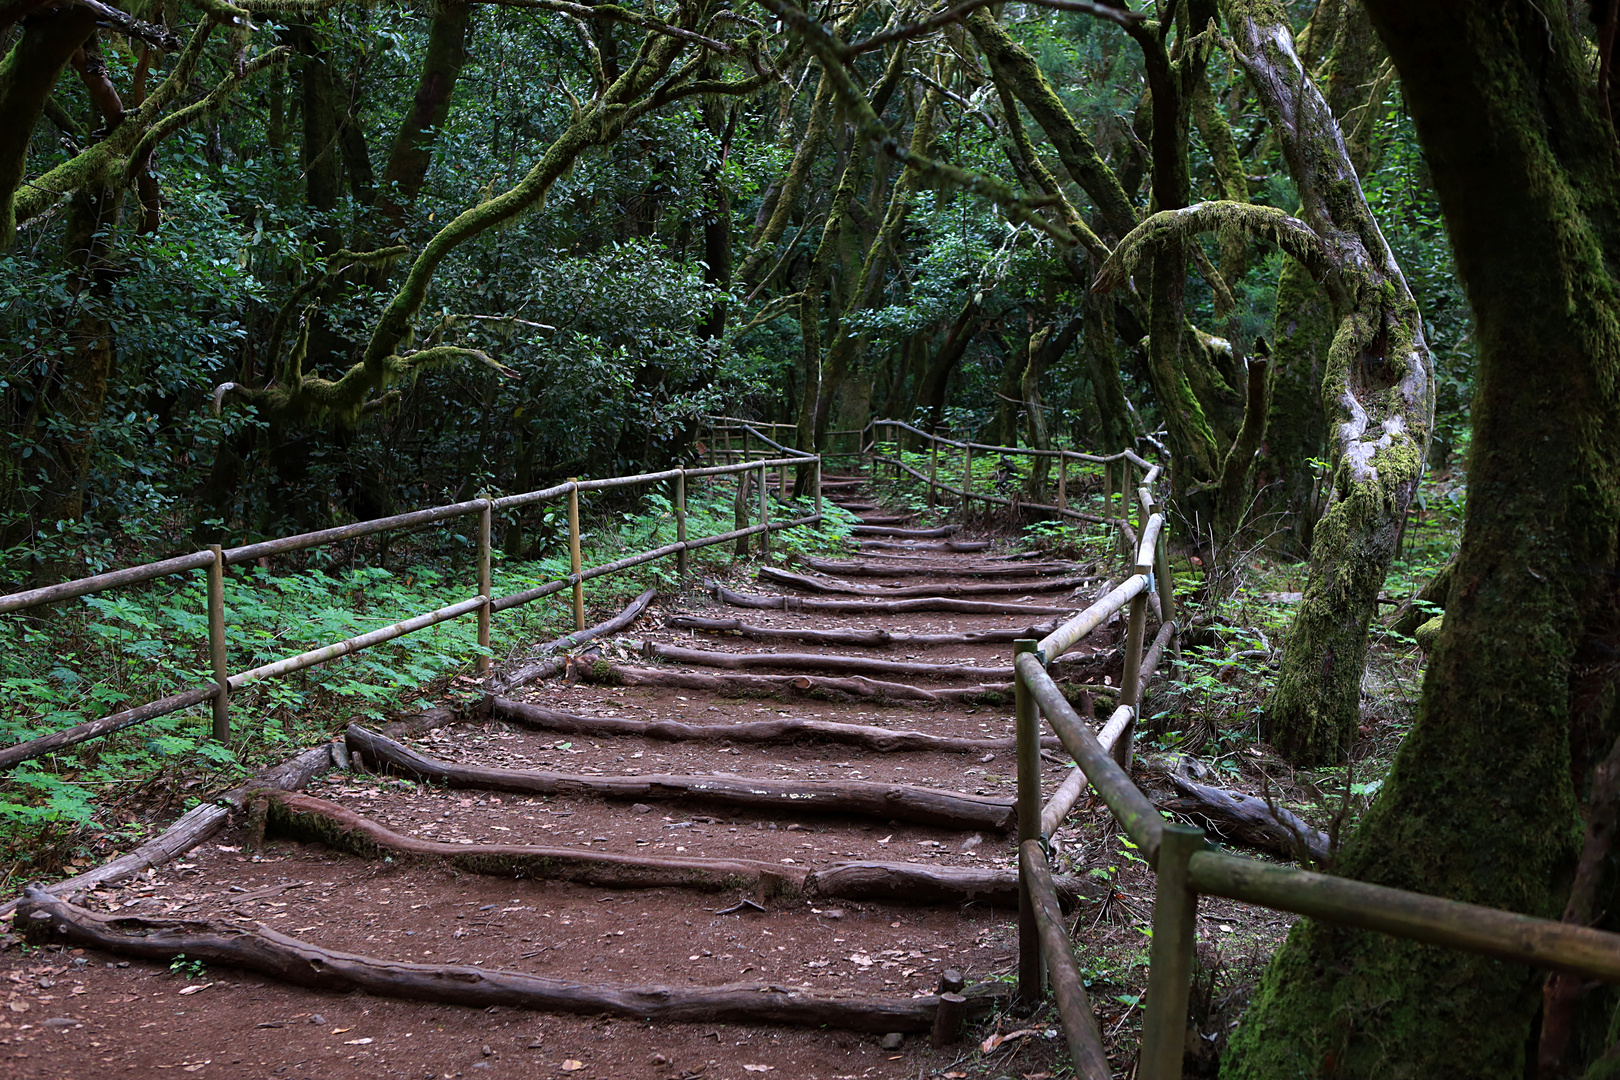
(817,478)
(1126,485)
(1108,490)
(967,475)
(764,514)
(1130,683)
(216,645)
(573,553)
(933,470)
(1170,957)
(485,579)
(680,522)
(1063,480)
(1031,970)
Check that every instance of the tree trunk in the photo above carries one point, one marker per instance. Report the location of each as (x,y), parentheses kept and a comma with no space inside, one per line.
(319,158)
(1518,705)
(27,75)
(412,152)
(1378,393)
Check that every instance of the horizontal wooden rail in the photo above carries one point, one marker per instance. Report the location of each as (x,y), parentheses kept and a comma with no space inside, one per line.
(95,729)
(354,644)
(1068,635)
(134,575)
(1029,451)
(1078,515)
(518,599)
(1504,935)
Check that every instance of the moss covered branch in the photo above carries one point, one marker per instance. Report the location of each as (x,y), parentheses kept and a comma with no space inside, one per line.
(1222,218)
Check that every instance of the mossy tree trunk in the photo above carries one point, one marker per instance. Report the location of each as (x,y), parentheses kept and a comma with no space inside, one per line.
(1378,393)
(1519,701)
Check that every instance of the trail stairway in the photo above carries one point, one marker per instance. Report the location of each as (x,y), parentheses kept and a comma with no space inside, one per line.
(763,830)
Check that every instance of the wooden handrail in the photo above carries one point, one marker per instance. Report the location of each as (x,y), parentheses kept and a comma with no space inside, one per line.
(484,604)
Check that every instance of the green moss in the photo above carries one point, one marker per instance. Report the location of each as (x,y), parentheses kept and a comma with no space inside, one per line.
(1427,634)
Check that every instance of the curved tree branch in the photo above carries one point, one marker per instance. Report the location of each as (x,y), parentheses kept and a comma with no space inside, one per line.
(1261,222)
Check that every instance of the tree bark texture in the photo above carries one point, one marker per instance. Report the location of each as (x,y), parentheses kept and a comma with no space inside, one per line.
(412,151)
(1483,803)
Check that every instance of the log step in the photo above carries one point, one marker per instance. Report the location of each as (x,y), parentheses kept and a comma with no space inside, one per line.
(869,665)
(845,588)
(48,920)
(887,530)
(857,798)
(868,638)
(879,607)
(784,730)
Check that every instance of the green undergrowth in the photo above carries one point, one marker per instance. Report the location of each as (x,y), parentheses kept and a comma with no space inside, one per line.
(92,656)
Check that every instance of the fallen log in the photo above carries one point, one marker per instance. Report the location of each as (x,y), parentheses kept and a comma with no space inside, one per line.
(1248,820)
(782,730)
(305,817)
(48,920)
(869,665)
(871,638)
(551,666)
(935,567)
(918,884)
(737,685)
(859,798)
(943,545)
(844,588)
(888,607)
(889,530)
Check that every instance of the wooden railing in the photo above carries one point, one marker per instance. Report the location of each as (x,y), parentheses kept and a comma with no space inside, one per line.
(216,559)
(1187,864)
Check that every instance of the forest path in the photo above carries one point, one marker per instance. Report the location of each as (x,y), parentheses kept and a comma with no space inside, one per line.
(768,924)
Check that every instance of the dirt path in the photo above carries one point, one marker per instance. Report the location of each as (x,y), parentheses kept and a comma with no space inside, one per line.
(86,1013)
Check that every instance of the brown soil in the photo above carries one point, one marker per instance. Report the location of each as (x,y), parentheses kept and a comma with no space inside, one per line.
(70,1014)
